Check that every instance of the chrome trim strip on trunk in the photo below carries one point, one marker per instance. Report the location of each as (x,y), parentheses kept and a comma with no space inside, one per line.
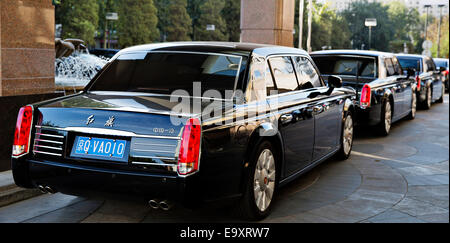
(40,152)
(102,131)
(49,135)
(146,163)
(47,141)
(154,157)
(42,146)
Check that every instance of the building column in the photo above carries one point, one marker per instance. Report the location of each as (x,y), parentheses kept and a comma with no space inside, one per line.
(27,47)
(268,21)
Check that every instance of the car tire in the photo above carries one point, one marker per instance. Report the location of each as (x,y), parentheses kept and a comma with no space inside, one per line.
(347,135)
(384,127)
(441,100)
(428,99)
(262,181)
(412,113)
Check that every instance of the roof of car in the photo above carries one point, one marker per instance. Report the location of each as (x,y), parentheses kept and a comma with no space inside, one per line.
(352,52)
(409,55)
(213,47)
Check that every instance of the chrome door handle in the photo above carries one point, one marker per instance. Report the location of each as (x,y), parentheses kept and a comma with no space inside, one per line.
(286,118)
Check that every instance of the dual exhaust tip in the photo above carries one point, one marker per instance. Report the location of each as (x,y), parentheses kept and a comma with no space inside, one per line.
(46,189)
(164,204)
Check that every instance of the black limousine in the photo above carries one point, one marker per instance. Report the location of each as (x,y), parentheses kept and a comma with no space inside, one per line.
(188,122)
(430,86)
(385,92)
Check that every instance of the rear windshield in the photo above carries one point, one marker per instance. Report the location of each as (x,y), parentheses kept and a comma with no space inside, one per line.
(441,63)
(409,63)
(347,66)
(165,72)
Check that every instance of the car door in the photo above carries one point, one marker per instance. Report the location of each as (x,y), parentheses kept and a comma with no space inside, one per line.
(295,119)
(406,83)
(395,80)
(325,108)
(436,76)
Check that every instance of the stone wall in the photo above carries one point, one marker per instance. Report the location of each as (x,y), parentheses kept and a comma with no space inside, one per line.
(268,21)
(27,49)
(27,59)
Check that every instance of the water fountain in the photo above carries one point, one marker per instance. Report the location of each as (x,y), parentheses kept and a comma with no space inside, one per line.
(74,66)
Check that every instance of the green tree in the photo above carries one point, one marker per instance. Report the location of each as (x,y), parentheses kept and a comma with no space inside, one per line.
(137,22)
(328,28)
(79,19)
(210,14)
(231,13)
(404,22)
(163,17)
(382,34)
(179,23)
(193,9)
(433,32)
(106,6)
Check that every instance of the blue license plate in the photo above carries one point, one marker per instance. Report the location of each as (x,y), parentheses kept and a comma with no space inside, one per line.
(111,149)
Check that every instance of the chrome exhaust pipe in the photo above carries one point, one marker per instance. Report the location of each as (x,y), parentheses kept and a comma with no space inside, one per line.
(42,189)
(154,203)
(165,205)
(50,190)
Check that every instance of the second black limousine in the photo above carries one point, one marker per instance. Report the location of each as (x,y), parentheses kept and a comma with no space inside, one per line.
(385,92)
(430,86)
(128,133)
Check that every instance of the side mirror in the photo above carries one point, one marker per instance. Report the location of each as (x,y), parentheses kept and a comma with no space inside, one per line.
(334,81)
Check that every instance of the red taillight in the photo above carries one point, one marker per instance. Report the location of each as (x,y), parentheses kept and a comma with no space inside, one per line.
(366,94)
(445,72)
(418,81)
(188,158)
(23,129)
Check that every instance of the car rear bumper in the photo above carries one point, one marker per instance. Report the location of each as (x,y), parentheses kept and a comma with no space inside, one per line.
(92,181)
(369,116)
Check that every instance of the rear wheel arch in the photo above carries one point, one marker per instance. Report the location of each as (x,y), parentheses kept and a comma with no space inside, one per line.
(255,139)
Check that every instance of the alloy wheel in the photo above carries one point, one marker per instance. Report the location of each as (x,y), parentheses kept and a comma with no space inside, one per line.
(264,180)
(348,134)
(388,117)
(414,105)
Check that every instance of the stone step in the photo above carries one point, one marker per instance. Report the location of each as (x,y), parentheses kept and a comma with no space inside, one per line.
(10,193)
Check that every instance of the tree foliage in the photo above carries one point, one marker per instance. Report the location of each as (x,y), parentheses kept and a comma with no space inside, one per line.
(179,22)
(433,36)
(210,14)
(137,22)
(79,19)
(231,13)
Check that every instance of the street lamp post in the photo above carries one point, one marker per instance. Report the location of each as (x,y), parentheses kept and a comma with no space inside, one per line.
(427,7)
(370,22)
(300,23)
(111,17)
(440,6)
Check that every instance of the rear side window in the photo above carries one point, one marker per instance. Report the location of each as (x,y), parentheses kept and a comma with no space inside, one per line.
(306,73)
(389,67)
(346,65)
(410,63)
(430,65)
(397,67)
(284,74)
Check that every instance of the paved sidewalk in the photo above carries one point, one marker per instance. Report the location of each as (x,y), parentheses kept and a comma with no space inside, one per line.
(10,193)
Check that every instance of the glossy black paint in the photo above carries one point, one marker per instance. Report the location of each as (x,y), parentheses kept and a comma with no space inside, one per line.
(430,77)
(306,126)
(397,89)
